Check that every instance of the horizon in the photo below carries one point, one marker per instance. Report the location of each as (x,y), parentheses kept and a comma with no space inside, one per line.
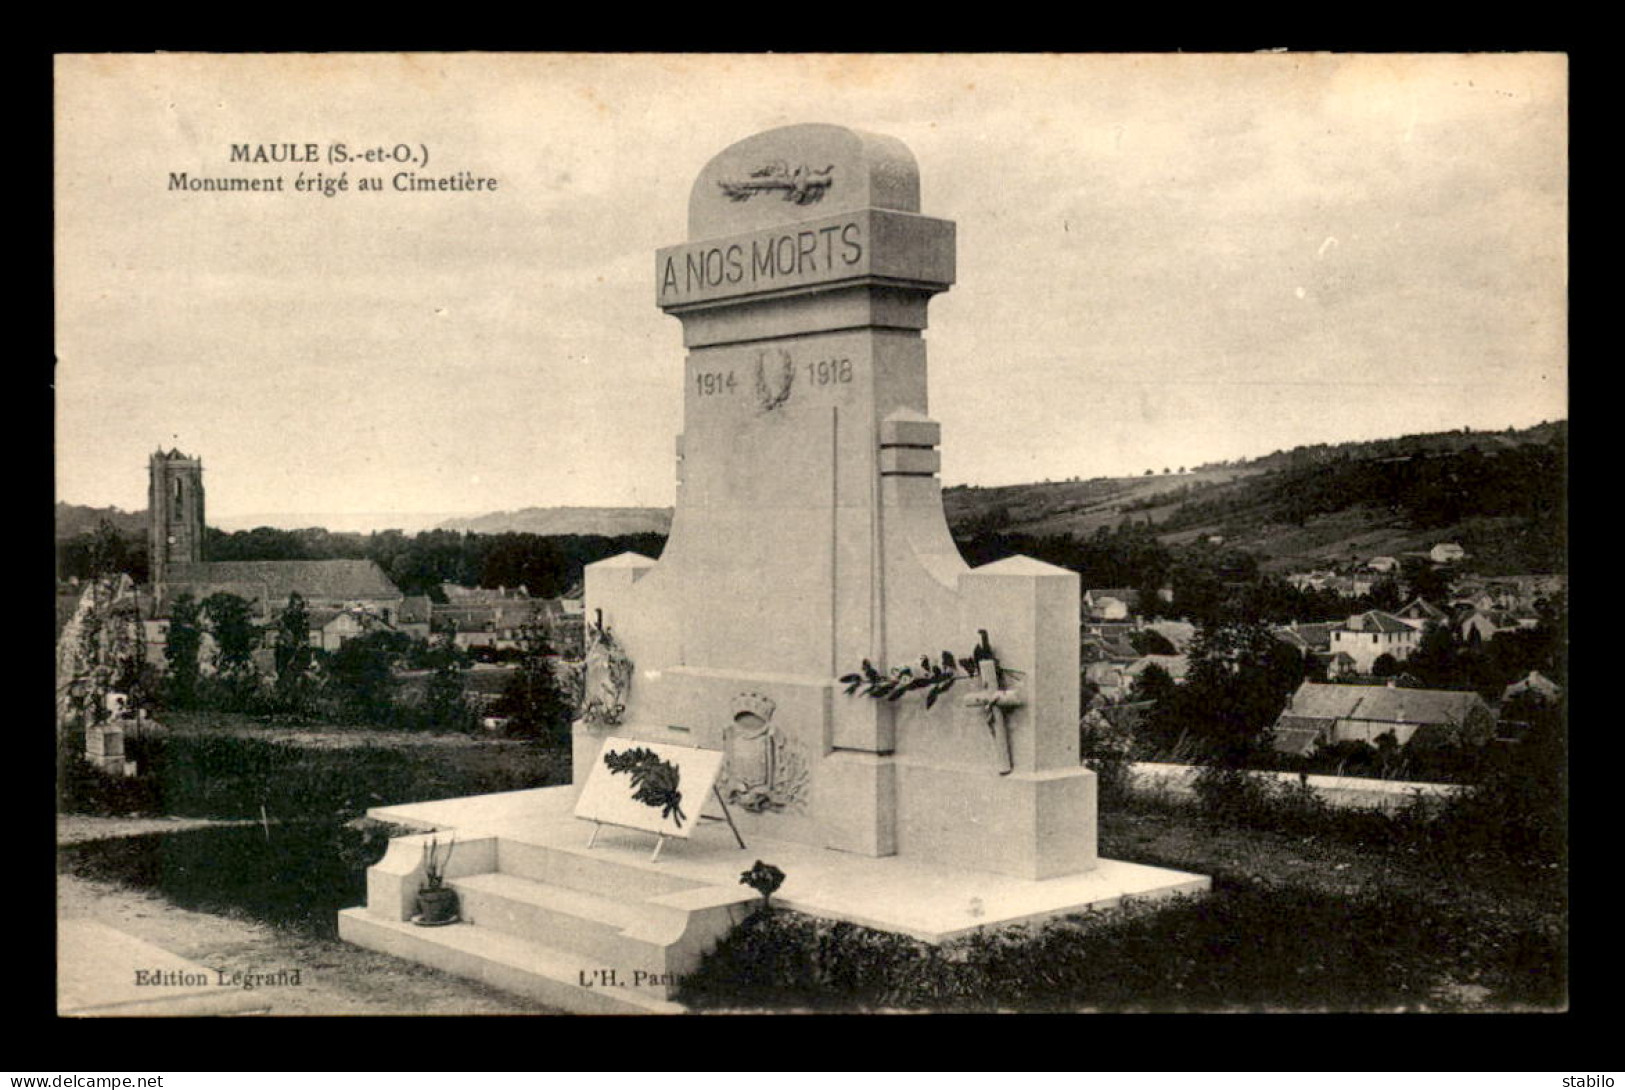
(1232,254)
(241,522)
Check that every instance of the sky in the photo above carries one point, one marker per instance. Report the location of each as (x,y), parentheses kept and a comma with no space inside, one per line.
(1163,260)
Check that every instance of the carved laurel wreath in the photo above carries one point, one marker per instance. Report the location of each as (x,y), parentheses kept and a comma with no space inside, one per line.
(934,677)
(801,185)
(654,781)
(769,397)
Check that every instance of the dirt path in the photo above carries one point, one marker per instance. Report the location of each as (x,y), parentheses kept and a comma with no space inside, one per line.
(335,977)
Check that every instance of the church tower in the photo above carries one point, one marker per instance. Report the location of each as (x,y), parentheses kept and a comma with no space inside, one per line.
(174,511)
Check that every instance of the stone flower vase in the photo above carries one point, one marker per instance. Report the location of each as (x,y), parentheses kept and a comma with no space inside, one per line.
(436,906)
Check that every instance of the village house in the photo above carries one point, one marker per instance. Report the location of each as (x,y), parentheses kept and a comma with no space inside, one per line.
(1321,715)
(1534,683)
(1108,643)
(1447,552)
(1366,637)
(494,627)
(1482,625)
(1111,603)
(1109,679)
(1175,666)
(1179,633)
(1423,612)
(415,616)
(1307,639)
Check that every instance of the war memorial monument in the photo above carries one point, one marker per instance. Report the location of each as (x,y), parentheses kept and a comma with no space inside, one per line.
(810,676)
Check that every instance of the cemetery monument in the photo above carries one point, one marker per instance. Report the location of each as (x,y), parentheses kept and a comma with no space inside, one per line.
(810,662)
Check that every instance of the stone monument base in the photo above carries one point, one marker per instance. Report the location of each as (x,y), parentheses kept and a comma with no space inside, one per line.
(605,929)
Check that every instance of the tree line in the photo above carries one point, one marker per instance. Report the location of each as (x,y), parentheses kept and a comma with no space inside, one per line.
(548,566)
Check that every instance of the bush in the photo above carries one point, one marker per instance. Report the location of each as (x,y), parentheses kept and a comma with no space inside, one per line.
(230,776)
(1249,945)
(1108,754)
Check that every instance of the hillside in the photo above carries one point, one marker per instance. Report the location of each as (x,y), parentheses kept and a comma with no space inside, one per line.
(1500,495)
(72,520)
(551,521)
(1077,508)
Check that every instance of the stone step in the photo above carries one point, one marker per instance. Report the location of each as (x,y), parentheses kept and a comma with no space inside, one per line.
(554,977)
(588,871)
(603,932)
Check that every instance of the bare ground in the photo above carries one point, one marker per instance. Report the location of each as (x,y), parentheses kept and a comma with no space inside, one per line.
(335,979)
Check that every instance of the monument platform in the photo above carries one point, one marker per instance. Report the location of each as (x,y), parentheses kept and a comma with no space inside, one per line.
(551,916)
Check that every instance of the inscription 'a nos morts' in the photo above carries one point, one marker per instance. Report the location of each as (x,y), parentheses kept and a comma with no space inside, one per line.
(813,252)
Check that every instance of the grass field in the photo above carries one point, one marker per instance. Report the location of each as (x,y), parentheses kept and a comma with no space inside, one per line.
(1292,924)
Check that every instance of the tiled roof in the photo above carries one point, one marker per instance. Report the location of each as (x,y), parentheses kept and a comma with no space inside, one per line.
(1377,621)
(1291,639)
(344,580)
(1307,637)
(415,609)
(1535,682)
(1127,595)
(1298,735)
(1178,633)
(1381,703)
(1424,609)
(482,618)
(1177,666)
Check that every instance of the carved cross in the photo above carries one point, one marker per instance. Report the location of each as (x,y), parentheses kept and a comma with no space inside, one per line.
(996,703)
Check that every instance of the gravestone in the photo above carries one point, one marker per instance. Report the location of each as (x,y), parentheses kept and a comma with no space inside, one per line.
(809,538)
(104,741)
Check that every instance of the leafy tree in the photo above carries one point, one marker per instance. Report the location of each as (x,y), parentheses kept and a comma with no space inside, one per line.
(1385,666)
(446,701)
(1423,580)
(1154,683)
(231,624)
(361,676)
(532,701)
(182,644)
(1437,659)
(1238,682)
(108,553)
(1148,641)
(294,656)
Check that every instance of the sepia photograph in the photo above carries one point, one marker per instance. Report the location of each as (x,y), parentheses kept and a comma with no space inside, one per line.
(643,534)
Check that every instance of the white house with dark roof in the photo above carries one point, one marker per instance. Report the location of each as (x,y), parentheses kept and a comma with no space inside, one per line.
(1366,637)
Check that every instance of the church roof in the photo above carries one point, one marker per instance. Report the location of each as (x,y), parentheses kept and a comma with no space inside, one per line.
(275,580)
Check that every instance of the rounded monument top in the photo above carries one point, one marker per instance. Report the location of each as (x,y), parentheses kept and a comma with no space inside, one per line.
(798,172)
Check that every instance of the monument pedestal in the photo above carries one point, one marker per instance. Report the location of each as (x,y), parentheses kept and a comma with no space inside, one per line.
(604,930)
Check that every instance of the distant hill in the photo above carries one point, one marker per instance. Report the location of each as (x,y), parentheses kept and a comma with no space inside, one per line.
(349,522)
(1501,495)
(73,519)
(548,521)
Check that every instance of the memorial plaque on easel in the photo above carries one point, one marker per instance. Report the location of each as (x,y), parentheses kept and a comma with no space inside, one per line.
(653,786)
